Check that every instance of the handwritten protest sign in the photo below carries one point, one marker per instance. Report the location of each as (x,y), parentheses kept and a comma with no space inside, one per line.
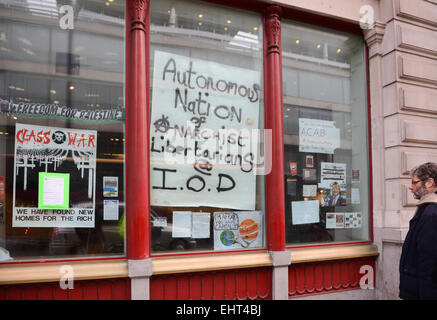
(203,133)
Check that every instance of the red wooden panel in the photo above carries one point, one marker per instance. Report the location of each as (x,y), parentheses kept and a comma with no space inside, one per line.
(336,277)
(183,288)
(76,293)
(318,280)
(327,276)
(264,283)
(291,281)
(207,288)
(59,293)
(105,289)
(230,282)
(300,279)
(157,291)
(223,285)
(121,289)
(195,287)
(219,287)
(46,292)
(91,291)
(171,288)
(354,273)
(345,274)
(241,285)
(14,293)
(310,281)
(30,292)
(252,284)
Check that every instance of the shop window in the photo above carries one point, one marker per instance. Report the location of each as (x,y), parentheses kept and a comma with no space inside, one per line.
(326,140)
(206,115)
(61,128)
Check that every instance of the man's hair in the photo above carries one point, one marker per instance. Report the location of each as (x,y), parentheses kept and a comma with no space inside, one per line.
(425,171)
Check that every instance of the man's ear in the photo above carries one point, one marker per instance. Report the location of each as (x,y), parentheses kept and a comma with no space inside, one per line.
(430,183)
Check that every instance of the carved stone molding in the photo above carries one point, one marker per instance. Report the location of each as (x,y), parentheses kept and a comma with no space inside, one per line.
(137,11)
(273,28)
(374,37)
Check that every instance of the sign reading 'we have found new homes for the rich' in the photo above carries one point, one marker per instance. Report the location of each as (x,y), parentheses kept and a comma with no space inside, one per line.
(204,137)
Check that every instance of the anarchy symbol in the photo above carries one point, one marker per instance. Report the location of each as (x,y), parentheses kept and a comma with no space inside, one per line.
(162,125)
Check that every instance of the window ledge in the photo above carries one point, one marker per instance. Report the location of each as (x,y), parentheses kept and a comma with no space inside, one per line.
(51,272)
(338,252)
(87,270)
(178,264)
(196,263)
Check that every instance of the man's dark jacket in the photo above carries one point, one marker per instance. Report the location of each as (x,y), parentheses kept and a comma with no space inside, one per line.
(418,264)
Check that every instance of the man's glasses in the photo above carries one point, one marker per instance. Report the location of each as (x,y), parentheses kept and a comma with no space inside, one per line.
(415,182)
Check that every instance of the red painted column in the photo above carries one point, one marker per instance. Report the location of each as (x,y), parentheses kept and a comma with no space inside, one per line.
(137,131)
(275,194)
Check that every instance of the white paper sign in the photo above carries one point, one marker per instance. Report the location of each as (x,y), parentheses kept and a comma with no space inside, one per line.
(355,196)
(201,224)
(309,190)
(181,227)
(305,212)
(318,136)
(53,191)
(203,149)
(110,209)
(332,172)
(159,222)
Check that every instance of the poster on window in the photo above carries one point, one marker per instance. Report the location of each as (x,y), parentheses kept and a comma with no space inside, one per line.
(318,136)
(204,137)
(330,173)
(238,230)
(44,158)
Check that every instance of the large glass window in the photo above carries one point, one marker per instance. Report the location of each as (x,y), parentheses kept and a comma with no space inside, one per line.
(206,109)
(61,128)
(326,139)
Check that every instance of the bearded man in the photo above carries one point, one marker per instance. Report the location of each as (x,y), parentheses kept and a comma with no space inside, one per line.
(418,263)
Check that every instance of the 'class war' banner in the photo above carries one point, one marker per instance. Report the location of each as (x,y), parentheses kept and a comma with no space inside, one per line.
(204,141)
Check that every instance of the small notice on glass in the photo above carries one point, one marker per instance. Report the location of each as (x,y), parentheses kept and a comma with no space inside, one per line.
(110,209)
(304,212)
